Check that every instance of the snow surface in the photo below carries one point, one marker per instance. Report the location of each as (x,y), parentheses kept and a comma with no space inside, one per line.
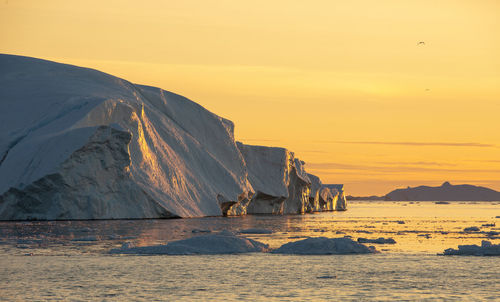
(200,245)
(486,249)
(324,246)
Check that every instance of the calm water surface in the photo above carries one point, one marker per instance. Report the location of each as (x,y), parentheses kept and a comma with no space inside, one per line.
(68,260)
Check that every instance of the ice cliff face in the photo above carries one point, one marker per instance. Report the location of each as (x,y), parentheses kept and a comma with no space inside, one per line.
(332,198)
(77,143)
(280,182)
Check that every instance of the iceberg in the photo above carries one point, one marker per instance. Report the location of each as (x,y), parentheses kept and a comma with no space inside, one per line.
(76,143)
(324,246)
(332,198)
(280,182)
(486,249)
(314,196)
(200,245)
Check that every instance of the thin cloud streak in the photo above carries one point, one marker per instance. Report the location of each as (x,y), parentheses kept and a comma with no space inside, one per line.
(417,144)
(416,163)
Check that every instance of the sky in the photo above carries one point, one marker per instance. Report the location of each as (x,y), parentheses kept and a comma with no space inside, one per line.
(346,85)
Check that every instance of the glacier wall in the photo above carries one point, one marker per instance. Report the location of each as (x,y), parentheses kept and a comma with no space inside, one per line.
(76,143)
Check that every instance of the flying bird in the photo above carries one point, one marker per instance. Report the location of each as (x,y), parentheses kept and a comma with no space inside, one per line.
(421,43)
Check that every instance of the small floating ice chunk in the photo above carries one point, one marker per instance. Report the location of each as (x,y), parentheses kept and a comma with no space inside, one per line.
(200,231)
(256,231)
(327,277)
(486,249)
(324,246)
(363,231)
(471,229)
(442,202)
(400,222)
(492,233)
(380,240)
(488,225)
(199,245)
(88,238)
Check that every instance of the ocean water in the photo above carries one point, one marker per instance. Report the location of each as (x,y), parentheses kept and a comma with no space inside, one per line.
(68,260)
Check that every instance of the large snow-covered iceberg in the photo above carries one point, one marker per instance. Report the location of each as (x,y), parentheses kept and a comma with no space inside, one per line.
(280,182)
(76,143)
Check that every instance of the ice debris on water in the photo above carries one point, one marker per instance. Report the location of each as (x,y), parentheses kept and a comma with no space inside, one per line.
(256,231)
(327,277)
(486,249)
(324,246)
(200,245)
(380,240)
(194,231)
(471,229)
(88,238)
(492,233)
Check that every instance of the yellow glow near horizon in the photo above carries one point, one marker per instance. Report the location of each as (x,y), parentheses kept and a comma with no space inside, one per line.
(344,84)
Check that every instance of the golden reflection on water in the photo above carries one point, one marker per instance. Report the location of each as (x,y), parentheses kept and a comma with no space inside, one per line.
(417,227)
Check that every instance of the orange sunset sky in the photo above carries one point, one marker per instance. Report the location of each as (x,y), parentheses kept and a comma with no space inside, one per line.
(343,84)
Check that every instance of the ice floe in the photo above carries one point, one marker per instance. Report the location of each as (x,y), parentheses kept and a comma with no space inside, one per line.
(324,246)
(200,245)
(486,249)
(380,240)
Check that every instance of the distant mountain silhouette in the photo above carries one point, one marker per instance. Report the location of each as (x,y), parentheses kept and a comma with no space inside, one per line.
(445,192)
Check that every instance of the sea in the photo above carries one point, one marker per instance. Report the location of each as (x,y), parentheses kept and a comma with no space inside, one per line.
(70,260)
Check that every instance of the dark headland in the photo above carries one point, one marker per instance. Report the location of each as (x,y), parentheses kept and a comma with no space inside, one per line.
(445,192)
